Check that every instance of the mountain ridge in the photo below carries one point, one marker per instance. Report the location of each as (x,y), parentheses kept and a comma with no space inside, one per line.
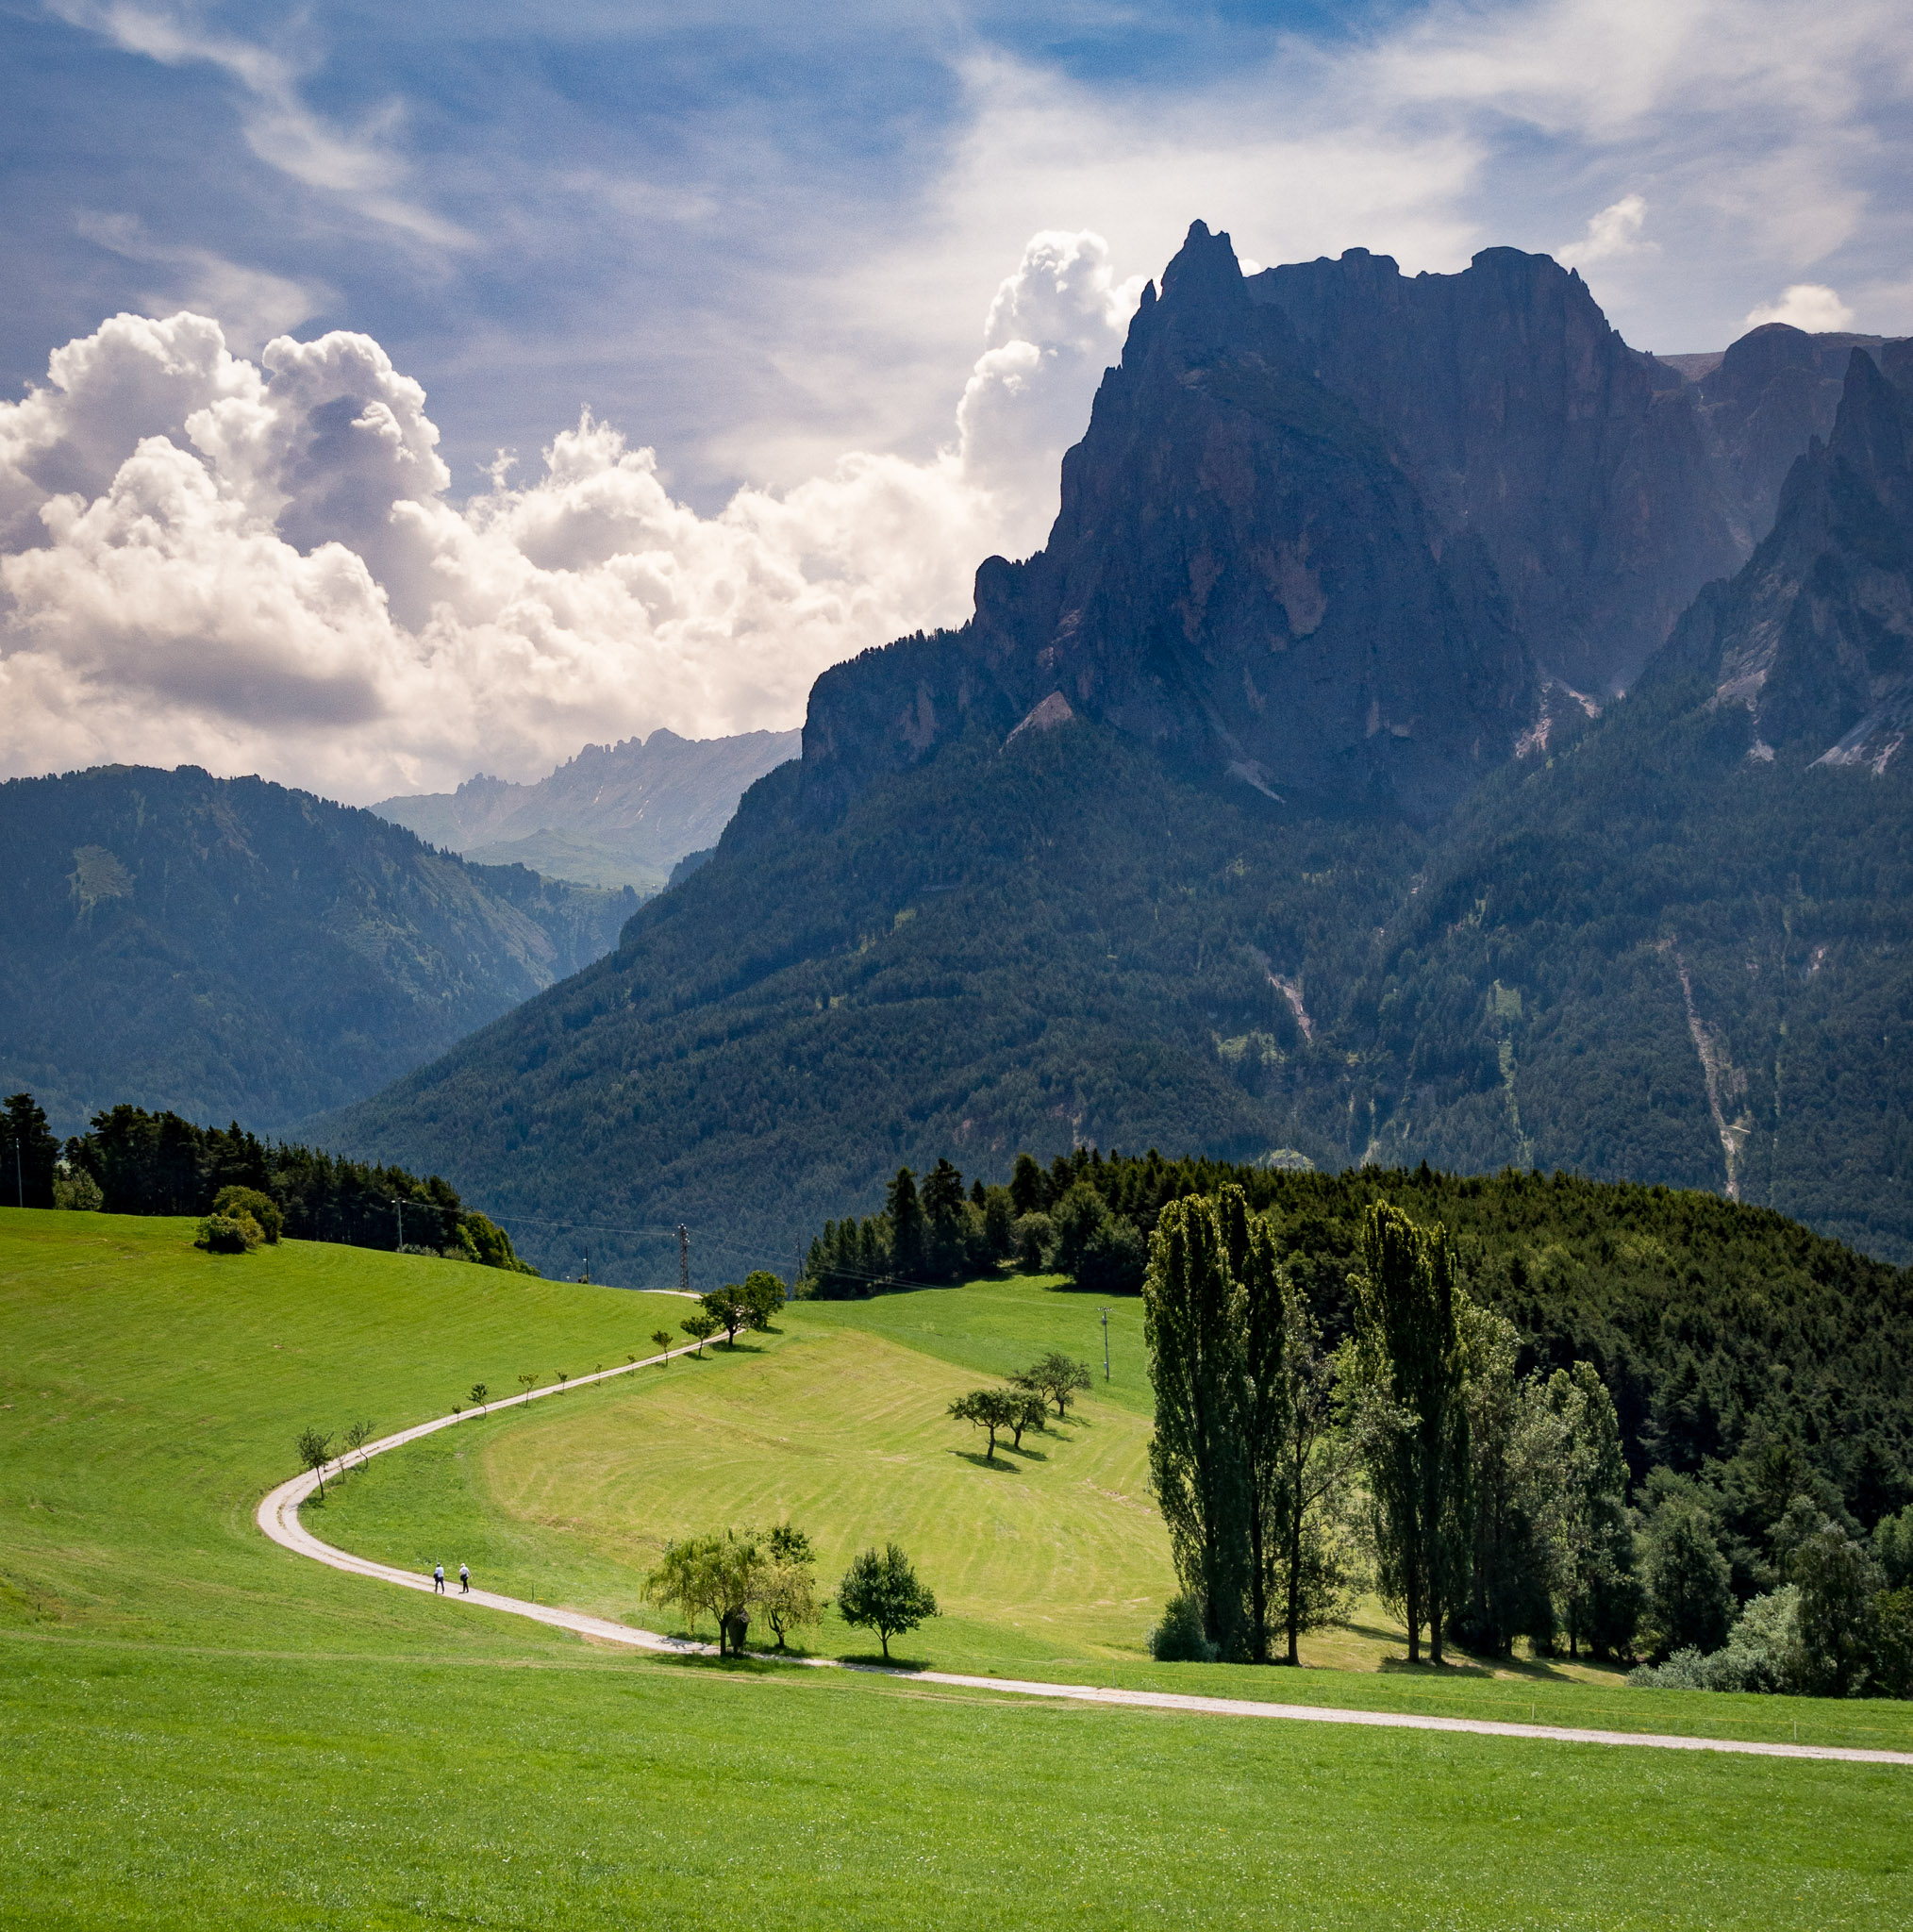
(228,947)
(613,815)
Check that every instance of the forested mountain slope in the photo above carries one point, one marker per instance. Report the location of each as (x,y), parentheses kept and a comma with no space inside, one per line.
(1234,822)
(227,947)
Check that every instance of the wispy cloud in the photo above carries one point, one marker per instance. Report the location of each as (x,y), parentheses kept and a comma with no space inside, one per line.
(363,168)
(251,305)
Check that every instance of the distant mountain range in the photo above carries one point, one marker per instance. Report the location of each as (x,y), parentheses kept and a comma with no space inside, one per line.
(616,815)
(1283,808)
(228,948)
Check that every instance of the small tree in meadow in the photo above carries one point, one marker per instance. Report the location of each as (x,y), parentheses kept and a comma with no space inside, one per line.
(1058,1376)
(762,1295)
(528,1383)
(720,1576)
(479,1393)
(660,1341)
(700,1327)
(230,1234)
(1032,1412)
(789,1593)
(357,1437)
(881,1592)
(315,1452)
(264,1210)
(990,1410)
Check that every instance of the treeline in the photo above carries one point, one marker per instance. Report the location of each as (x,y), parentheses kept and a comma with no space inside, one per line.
(1057,1222)
(1747,1357)
(130,1161)
(1487,1505)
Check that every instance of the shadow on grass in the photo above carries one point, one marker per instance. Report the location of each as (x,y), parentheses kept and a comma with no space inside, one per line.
(1027,1454)
(1422,1667)
(986,1463)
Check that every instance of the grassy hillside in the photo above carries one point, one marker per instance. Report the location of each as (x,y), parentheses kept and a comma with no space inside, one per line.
(1051,1550)
(204,1730)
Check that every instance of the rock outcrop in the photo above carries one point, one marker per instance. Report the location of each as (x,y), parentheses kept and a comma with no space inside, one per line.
(1578,463)
(1242,575)
(1815,634)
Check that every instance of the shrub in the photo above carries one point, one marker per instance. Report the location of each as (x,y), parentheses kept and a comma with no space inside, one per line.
(76,1189)
(262,1207)
(1178,1638)
(230,1234)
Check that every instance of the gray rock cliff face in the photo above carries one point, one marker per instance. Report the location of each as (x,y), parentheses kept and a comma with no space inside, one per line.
(1579,463)
(1815,635)
(1241,574)
(1770,395)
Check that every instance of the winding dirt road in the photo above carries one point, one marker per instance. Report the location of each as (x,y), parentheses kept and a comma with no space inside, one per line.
(279,1517)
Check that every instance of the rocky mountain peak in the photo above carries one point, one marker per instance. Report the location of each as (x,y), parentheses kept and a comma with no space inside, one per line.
(1239,572)
(1815,634)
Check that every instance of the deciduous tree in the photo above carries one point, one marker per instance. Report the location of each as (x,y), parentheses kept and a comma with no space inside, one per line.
(990,1409)
(1314,1565)
(1058,1378)
(881,1592)
(789,1599)
(1689,1586)
(720,1576)
(315,1452)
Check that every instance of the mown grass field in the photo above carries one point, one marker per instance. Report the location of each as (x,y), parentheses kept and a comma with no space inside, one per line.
(201,1729)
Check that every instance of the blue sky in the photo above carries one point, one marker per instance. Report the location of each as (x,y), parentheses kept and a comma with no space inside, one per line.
(684,215)
(794,251)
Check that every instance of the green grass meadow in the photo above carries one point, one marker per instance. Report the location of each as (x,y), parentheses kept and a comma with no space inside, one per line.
(202,1730)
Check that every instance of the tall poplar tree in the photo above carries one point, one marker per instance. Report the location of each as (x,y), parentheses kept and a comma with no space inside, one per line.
(1260,1310)
(1198,1456)
(1409,1367)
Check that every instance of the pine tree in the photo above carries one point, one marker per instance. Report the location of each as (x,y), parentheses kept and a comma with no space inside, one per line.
(28,1154)
(1030,1192)
(905,1214)
(946,1230)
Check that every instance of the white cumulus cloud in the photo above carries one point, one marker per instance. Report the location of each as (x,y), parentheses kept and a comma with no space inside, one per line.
(256,566)
(1615,231)
(1810,306)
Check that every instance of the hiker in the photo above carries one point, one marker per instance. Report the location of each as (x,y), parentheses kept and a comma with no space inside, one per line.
(439,1578)
(464,1581)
